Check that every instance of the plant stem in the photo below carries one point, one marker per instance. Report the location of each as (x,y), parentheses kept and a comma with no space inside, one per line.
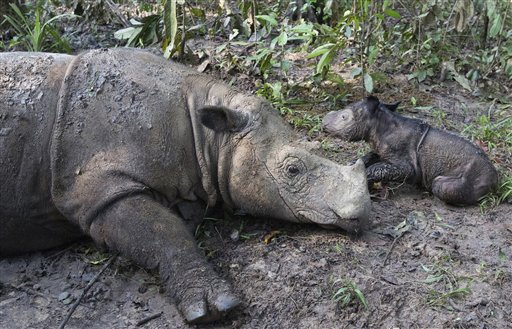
(500,39)
(183,32)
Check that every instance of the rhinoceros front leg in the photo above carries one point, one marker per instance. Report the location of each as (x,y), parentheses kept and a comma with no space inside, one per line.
(388,172)
(153,236)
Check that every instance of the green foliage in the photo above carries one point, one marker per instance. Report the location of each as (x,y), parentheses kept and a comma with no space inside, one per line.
(502,194)
(347,293)
(493,134)
(276,94)
(272,55)
(436,298)
(36,31)
(435,36)
(493,130)
(446,283)
(160,27)
(142,33)
(93,256)
(421,37)
(359,33)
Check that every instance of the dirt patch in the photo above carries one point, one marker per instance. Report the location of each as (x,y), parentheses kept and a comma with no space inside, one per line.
(408,280)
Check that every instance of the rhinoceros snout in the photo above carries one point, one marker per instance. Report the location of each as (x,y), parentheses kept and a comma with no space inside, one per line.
(328,120)
(359,220)
(351,206)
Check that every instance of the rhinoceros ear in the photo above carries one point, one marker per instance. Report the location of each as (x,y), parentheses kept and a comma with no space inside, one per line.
(373,103)
(223,119)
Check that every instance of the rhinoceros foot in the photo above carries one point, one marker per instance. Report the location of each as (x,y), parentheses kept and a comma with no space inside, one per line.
(205,299)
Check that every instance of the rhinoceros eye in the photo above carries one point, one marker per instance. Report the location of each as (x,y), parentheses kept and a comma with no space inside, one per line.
(292,167)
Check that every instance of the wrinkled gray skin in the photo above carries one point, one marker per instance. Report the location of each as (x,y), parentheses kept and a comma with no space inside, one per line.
(120,145)
(405,149)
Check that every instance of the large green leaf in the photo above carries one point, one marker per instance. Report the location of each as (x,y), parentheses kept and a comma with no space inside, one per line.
(267,18)
(282,39)
(392,13)
(496,26)
(368,83)
(321,50)
(171,26)
(325,60)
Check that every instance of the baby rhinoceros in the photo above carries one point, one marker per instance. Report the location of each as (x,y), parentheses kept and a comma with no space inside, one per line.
(405,149)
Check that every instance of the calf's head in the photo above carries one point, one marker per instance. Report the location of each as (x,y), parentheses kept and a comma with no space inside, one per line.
(354,122)
(271,174)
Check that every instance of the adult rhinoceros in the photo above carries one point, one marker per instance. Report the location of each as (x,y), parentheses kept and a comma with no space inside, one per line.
(115,143)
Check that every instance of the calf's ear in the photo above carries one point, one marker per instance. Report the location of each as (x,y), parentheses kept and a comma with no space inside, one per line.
(223,119)
(392,107)
(373,103)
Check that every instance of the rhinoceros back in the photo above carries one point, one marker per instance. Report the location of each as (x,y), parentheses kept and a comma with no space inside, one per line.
(29,88)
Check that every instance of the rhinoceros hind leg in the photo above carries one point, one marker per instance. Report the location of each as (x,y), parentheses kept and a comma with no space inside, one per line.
(455,190)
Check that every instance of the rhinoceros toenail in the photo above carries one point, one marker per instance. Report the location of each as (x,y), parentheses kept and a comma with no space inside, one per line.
(226,302)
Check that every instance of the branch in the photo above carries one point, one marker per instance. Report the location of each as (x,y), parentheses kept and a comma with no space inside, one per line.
(89,285)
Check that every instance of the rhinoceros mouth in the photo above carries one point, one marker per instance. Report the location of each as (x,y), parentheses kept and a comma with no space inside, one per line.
(354,229)
(352,224)
(334,221)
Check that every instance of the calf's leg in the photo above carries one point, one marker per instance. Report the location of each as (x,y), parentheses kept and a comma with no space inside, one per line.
(154,237)
(455,190)
(388,172)
(370,158)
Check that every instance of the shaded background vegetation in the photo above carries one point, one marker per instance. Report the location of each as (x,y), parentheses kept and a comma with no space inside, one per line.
(470,40)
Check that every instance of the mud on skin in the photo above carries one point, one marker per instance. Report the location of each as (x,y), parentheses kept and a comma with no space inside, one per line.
(409,150)
(118,144)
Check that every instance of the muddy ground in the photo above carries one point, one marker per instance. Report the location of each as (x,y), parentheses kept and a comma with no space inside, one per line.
(422,263)
(409,276)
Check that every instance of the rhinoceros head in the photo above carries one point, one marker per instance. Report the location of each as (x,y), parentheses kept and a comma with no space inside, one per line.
(271,174)
(354,122)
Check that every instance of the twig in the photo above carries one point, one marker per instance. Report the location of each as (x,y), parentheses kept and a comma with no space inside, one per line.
(89,285)
(253,16)
(149,318)
(454,306)
(497,53)
(362,45)
(113,7)
(448,22)
(391,249)
(183,33)
(62,251)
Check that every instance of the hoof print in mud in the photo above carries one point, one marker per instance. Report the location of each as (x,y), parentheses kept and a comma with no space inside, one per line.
(409,150)
(112,143)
